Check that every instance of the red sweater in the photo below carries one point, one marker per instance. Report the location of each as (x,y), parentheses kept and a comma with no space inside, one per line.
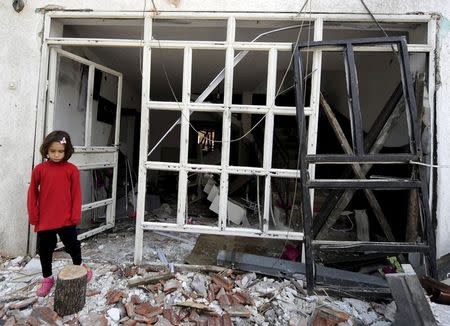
(54,196)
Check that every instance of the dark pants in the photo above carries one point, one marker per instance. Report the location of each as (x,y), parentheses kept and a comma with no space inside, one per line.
(46,244)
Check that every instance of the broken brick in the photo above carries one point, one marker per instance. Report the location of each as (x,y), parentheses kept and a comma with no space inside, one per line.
(11,321)
(31,321)
(211,297)
(238,310)
(194,316)
(226,301)
(222,282)
(130,271)
(202,321)
(214,321)
(147,310)
(183,314)
(328,316)
(94,319)
(226,320)
(135,299)
(171,285)
(243,297)
(44,315)
(114,296)
(145,320)
(129,308)
(189,294)
(130,322)
(155,288)
(171,316)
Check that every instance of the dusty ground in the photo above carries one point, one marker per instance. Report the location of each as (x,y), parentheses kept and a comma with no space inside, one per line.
(188,297)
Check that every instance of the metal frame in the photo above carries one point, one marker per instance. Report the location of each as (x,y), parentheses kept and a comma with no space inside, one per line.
(229,46)
(88,157)
(417,180)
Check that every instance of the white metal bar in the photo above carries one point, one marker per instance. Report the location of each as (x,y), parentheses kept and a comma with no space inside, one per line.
(214,45)
(245,232)
(111,211)
(294,16)
(314,101)
(89,104)
(184,137)
(87,62)
(431,39)
(66,41)
(51,91)
(94,231)
(100,203)
(268,135)
(143,146)
(92,166)
(226,123)
(94,149)
(208,107)
(203,168)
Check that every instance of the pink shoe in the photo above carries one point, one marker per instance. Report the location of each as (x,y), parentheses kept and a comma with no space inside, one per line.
(46,286)
(89,272)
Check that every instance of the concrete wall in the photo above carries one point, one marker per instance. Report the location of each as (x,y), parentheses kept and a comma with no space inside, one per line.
(20,57)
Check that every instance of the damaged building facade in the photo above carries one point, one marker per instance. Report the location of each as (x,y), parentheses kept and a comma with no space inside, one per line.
(183,113)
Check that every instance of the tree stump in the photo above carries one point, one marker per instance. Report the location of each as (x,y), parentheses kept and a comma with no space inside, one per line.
(70,292)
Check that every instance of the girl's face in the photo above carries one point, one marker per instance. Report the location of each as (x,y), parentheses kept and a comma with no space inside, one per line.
(56,152)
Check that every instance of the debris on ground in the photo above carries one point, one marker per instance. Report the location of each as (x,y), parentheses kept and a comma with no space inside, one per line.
(131,295)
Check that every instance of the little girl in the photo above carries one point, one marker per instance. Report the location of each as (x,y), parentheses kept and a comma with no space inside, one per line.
(54,205)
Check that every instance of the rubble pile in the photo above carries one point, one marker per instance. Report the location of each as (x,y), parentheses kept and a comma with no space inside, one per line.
(130,295)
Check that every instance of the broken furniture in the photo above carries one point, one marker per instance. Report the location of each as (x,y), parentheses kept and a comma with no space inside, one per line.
(358,156)
(70,292)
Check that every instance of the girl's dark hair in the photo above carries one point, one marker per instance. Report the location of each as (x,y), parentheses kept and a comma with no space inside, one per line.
(57,136)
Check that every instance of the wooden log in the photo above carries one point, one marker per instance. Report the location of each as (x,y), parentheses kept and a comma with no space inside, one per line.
(70,292)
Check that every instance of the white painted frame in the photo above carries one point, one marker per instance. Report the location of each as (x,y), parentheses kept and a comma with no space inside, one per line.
(88,157)
(227,108)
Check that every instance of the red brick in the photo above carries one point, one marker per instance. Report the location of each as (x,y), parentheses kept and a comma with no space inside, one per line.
(327,316)
(226,320)
(135,299)
(222,282)
(147,310)
(226,301)
(129,308)
(31,321)
(238,310)
(171,316)
(11,321)
(114,296)
(44,315)
(214,321)
(130,322)
(243,297)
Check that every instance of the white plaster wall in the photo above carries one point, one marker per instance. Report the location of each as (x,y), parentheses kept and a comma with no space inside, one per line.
(19,64)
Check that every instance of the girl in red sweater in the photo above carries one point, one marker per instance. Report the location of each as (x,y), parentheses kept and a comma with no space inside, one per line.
(54,205)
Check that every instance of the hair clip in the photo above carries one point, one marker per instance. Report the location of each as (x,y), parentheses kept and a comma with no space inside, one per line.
(63,140)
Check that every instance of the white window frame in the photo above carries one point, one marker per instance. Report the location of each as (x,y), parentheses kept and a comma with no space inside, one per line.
(231,47)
